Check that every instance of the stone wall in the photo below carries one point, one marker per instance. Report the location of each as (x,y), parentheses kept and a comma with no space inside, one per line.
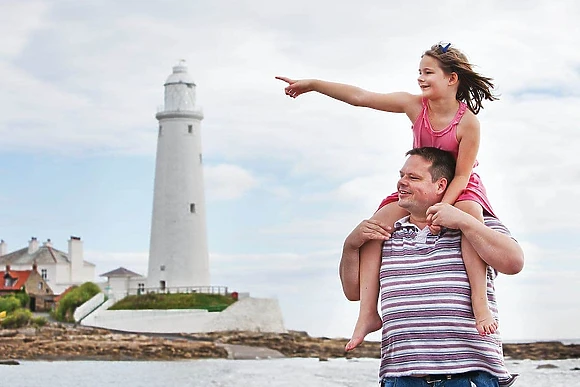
(249,314)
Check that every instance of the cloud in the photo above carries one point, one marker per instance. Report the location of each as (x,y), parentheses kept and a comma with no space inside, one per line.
(226,182)
(294,176)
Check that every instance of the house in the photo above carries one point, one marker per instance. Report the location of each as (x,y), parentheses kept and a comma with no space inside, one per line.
(58,269)
(41,295)
(122,282)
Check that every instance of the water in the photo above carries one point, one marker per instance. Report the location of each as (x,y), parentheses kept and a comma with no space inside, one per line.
(245,373)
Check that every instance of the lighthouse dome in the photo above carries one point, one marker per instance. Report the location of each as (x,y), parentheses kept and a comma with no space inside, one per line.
(180,75)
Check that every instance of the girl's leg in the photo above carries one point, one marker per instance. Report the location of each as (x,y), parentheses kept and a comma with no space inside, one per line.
(476,270)
(370,263)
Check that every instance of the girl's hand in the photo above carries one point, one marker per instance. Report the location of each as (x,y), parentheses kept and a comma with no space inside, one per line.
(296,87)
(443,214)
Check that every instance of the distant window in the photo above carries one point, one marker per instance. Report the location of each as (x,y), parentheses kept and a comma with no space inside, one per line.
(141,287)
(40,286)
(200,158)
(162,285)
(8,282)
(189,128)
(162,267)
(192,208)
(44,274)
(160,130)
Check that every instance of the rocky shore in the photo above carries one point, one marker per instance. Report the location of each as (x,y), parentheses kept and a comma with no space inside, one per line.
(62,342)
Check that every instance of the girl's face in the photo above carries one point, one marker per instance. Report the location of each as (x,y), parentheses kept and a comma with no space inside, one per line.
(433,81)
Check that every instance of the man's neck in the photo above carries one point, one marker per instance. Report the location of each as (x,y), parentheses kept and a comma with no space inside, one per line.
(419,221)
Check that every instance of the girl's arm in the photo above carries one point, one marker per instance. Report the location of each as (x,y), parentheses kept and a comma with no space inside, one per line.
(468,139)
(399,102)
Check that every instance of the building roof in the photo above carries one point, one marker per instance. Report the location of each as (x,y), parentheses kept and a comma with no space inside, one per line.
(121,272)
(44,255)
(21,277)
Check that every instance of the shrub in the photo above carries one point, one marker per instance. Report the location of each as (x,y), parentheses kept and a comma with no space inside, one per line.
(73,299)
(23,297)
(17,319)
(38,321)
(9,303)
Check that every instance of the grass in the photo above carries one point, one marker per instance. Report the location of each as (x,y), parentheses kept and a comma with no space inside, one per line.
(209,302)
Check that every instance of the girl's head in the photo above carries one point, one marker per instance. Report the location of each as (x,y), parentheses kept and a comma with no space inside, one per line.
(473,88)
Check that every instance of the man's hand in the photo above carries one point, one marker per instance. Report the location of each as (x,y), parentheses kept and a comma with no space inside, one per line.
(367,230)
(445,215)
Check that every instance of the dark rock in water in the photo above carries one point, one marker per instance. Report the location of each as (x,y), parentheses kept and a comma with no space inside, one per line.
(575,369)
(322,358)
(9,362)
(546,366)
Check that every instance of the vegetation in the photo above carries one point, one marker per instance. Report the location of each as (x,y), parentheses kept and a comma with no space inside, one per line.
(16,315)
(17,319)
(73,299)
(9,303)
(209,302)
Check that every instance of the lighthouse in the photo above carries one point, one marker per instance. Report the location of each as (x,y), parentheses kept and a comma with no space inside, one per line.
(178,254)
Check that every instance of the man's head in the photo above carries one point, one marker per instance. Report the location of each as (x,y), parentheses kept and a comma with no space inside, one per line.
(424,178)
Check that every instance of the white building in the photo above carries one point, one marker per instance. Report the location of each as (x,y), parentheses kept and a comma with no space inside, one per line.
(178,253)
(122,282)
(60,270)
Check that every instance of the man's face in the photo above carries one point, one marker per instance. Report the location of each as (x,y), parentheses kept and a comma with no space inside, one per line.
(417,191)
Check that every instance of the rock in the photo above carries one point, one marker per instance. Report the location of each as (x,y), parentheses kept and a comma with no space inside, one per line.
(575,369)
(66,342)
(9,362)
(546,366)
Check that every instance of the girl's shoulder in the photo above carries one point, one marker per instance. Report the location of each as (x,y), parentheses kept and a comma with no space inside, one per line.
(469,125)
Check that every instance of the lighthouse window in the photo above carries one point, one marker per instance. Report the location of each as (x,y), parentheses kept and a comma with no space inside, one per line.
(190,128)
(160,128)
(200,158)
(192,208)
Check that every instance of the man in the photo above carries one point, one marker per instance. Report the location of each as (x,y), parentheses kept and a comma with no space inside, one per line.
(429,336)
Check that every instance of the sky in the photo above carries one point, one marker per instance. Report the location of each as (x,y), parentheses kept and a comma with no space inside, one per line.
(286,179)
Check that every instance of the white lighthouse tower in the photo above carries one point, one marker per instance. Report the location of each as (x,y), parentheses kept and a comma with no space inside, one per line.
(178,253)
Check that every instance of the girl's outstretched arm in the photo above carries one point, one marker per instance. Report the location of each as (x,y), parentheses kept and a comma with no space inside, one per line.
(399,102)
(468,138)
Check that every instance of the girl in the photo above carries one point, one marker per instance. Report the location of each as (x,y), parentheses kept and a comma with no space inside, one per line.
(443,116)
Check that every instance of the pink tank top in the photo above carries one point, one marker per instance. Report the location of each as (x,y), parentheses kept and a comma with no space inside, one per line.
(445,139)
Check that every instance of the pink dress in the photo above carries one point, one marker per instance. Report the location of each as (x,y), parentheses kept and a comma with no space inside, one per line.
(446,139)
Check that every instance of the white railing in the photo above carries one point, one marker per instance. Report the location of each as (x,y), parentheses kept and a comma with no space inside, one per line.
(223,290)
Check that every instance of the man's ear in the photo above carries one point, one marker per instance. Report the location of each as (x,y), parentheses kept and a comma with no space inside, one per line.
(441,185)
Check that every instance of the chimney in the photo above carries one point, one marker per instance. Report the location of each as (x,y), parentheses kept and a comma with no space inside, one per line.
(75,255)
(7,268)
(3,248)
(35,266)
(32,245)
(48,243)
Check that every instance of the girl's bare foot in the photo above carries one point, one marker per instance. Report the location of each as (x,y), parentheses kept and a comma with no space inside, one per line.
(364,326)
(485,323)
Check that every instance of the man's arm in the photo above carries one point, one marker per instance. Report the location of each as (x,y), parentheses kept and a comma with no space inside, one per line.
(498,250)
(348,268)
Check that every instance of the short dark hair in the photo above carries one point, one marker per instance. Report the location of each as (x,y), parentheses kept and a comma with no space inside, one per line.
(442,162)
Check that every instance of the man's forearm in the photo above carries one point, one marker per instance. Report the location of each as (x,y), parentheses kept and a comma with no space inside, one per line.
(498,250)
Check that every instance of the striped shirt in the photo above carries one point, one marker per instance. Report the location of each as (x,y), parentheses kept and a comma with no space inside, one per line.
(428,323)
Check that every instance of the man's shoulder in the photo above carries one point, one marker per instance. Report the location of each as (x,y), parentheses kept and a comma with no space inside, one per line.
(495,224)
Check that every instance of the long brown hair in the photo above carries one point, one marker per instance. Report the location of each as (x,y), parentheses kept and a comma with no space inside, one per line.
(473,87)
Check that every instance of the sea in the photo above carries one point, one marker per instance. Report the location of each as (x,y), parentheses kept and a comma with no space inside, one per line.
(247,373)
